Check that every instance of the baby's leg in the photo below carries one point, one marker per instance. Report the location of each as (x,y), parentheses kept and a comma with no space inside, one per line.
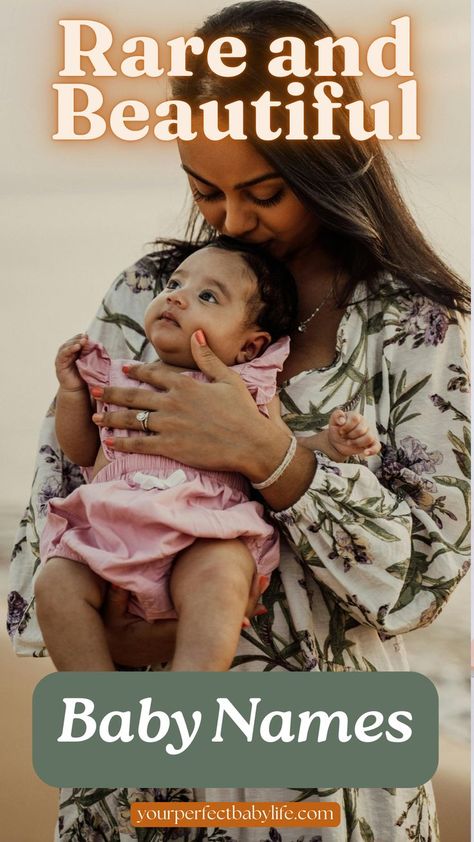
(69,597)
(210,585)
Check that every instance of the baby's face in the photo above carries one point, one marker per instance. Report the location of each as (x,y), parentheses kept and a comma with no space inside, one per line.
(209,291)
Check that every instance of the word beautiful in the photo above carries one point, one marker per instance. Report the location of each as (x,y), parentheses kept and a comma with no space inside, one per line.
(153,726)
(129,119)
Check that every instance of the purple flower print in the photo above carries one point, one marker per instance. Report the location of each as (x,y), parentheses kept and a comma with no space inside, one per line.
(425,321)
(437,325)
(326,465)
(308,650)
(287,517)
(50,489)
(420,459)
(351,550)
(16,609)
(404,468)
(411,457)
(139,280)
(461,382)
(72,477)
(440,403)
(402,471)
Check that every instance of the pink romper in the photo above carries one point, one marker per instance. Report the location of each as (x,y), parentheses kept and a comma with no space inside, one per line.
(140,511)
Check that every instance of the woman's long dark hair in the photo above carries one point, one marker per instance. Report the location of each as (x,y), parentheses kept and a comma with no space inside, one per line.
(347,184)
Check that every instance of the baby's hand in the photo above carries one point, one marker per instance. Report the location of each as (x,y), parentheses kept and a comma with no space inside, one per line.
(66,371)
(349,434)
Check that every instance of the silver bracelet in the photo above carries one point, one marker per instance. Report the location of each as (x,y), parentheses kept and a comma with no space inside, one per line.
(288,457)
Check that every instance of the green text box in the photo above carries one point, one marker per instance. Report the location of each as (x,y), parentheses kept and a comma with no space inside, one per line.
(207,731)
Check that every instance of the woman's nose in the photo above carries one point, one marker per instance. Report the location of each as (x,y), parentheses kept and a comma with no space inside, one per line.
(239,220)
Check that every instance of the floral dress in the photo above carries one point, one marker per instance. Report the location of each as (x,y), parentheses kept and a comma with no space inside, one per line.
(374,548)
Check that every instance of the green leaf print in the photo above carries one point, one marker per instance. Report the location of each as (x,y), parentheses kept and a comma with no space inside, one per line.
(467,438)
(79,797)
(366,831)
(379,531)
(411,392)
(399,569)
(374,388)
(121,320)
(337,641)
(418,564)
(401,384)
(375,323)
(350,810)
(465,489)
(462,451)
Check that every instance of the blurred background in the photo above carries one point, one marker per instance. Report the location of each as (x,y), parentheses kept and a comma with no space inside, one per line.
(73,215)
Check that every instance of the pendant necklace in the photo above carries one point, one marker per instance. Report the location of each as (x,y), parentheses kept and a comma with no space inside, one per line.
(304,324)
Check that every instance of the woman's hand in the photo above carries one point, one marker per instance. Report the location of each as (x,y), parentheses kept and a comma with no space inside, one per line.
(135,643)
(213,426)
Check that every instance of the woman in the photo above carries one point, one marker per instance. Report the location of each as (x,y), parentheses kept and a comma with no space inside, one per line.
(375,548)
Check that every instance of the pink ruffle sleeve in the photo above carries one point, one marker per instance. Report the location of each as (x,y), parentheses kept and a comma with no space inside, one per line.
(260,374)
(94,364)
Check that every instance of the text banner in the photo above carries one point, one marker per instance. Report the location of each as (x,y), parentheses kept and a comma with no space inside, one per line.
(233,730)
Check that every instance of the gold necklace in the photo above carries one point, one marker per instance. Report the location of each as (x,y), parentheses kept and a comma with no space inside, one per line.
(304,324)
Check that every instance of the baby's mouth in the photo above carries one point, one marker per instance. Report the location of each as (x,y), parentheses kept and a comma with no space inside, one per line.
(169,317)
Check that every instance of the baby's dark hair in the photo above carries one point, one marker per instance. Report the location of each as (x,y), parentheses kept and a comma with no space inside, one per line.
(274,305)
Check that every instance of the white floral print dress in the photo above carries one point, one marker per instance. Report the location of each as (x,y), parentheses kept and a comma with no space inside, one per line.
(374,548)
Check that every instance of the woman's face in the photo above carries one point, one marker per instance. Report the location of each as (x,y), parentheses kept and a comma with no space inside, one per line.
(242,195)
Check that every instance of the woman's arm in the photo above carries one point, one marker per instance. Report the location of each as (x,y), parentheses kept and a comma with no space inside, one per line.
(391,545)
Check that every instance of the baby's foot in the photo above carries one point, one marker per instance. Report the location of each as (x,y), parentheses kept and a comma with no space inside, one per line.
(350,435)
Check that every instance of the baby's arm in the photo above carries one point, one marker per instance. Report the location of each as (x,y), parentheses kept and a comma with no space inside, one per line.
(348,434)
(76,432)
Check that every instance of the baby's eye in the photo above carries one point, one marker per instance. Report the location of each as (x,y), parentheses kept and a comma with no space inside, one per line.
(207,295)
(172,284)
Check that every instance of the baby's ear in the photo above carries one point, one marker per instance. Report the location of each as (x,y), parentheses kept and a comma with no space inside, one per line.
(254,345)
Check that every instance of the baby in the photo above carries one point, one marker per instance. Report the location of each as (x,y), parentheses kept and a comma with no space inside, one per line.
(135,523)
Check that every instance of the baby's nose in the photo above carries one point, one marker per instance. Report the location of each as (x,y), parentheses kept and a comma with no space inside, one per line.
(176,296)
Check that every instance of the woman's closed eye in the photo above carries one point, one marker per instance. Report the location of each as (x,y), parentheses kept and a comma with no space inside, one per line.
(215,197)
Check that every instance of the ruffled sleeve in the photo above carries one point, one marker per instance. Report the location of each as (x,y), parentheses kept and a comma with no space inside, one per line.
(94,364)
(260,374)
